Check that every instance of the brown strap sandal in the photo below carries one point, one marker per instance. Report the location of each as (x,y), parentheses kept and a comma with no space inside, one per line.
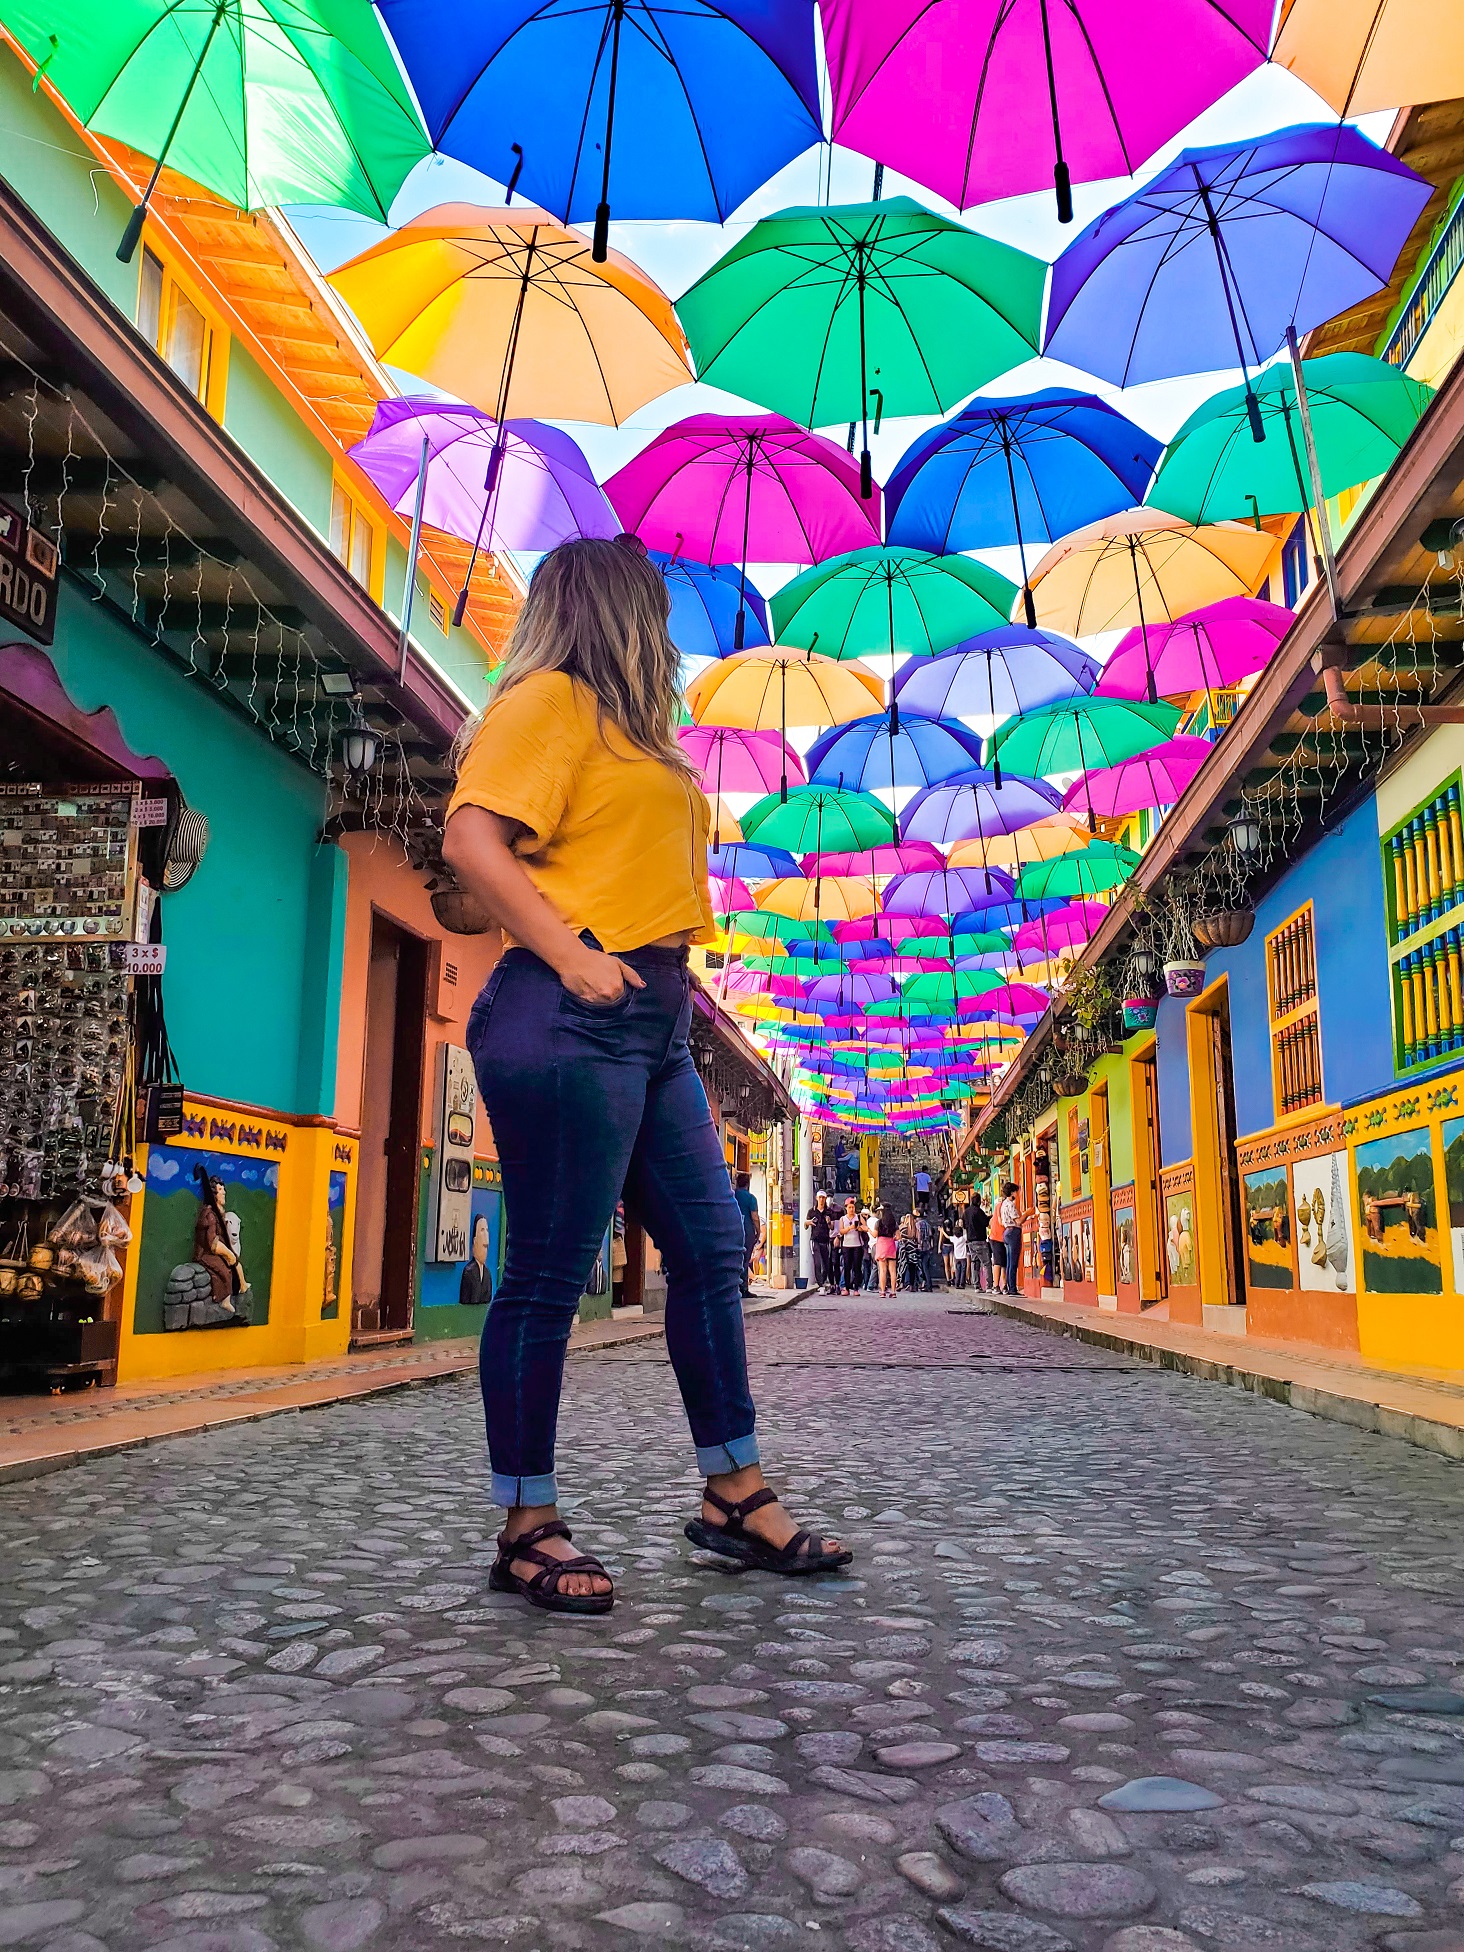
(542,1589)
(804,1553)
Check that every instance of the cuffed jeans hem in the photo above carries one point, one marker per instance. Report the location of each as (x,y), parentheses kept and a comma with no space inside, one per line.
(735,1455)
(541,1490)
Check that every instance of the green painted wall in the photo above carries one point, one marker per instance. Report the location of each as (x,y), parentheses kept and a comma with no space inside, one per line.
(253,940)
(454,652)
(276,439)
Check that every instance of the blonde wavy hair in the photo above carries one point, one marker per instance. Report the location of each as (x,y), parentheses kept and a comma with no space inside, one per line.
(598,609)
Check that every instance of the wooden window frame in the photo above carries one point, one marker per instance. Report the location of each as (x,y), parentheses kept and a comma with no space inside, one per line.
(1422,858)
(176,284)
(360,510)
(1306,1011)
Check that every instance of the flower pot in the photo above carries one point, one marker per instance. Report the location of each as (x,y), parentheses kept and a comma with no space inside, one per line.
(458,913)
(1184,978)
(1070,1084)
(1227,928)
(1140,1012)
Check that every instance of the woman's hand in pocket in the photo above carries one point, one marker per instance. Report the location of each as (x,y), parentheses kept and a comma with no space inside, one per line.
(598,979)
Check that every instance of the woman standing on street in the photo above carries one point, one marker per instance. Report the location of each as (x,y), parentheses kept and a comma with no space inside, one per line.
(885,1250)
(1009,1214)
(851,1249)
(579,828)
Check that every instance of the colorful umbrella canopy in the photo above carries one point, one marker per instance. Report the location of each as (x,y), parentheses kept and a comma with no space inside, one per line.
(1099,867)
(944,891)
(744,488)
(543,489)
(733,761)
(1067,928)
(1361,55)
(1362,411)
(975,802)
(650,110)
(1022,470)
(705,602)
(996,673)
(888,928)
(1209,650)
(835,898)
(984,99)
(1071,737)
(1143,567)
(808,819)
(506,308)
(1209,263)
(262,101)
(882,751)
(846,312)
(743,860)
(898,602)
(1043,840)
(1155,778)
(780,686)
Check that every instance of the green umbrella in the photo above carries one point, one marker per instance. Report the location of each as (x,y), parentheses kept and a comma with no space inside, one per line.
(1079,734)
(776,928)
(819,820)
(1362,411)
(263,101)
(906,602)
(1092,871)
(984,942)
(942,986)
(820,310)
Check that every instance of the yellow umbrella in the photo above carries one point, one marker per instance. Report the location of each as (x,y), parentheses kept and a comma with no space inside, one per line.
(506,309)
(1145,567)
(777,686)
(1044,840)
(1361,55)
(724,820)
(834,898)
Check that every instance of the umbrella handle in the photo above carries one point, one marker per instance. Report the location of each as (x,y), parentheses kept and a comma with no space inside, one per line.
(600,249)
(133,232)
(517,150)
(1063,182)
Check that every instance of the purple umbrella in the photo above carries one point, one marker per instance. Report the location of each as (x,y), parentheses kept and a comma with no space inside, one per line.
(1155,778)
(852,992)
(521,485)
(944,891)
(745,488)
(1000,673)
(1208,650)
(972,805)
(1216,258)
(982,99)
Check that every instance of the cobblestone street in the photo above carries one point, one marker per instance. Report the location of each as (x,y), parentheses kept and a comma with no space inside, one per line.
(256,1694)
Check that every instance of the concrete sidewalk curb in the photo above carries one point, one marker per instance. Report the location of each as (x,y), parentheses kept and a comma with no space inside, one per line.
(1336,1405)
(214,1413)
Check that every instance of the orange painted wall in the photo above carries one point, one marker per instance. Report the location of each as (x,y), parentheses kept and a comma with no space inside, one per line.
(382,880)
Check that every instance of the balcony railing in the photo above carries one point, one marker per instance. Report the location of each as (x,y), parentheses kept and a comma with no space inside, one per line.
(1428,294)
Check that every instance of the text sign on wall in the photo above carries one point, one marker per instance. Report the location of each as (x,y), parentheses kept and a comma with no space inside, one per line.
(457,1104)
(30,569)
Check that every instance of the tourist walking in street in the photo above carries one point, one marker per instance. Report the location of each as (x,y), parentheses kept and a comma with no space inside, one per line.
(851,1249)
(908,1263)
(885,1250)
(579,828)
(751,1226)
(1009,1217)
(978,1224)
(819,1222)
(925,1238)
(960,1252)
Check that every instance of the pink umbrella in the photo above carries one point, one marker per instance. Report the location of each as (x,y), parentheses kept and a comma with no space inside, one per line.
(1012,1000)
(877,860)
(1155,778)
(734,761)
(1208,650)
(892,928)
(728,895)
(901,965)
(747,488)
(1065,928)
(982,99)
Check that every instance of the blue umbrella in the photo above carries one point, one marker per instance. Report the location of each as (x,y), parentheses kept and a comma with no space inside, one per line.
(746,860)
(887,749)
(704,605)
(976,804)
(1022,470)
(1008,914)
(1011,669)
(679,109)
(1220,255)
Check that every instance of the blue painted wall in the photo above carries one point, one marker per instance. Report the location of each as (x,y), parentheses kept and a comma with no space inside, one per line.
(1342,875)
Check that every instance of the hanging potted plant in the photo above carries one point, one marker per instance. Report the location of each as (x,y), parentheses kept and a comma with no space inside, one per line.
(1141,990)
(1224,928)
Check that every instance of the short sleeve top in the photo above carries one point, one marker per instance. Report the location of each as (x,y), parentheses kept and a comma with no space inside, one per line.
(615,840)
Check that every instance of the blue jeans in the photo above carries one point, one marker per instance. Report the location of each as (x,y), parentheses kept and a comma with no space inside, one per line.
(587,1101)
(1013,1239)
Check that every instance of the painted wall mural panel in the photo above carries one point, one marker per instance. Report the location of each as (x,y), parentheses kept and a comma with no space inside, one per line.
(1325,1251)
(1453,1137)
(335,1247)
(1179,1237)
(1398,1209)
(1268,1230)
(221,1227)
(1125,1248)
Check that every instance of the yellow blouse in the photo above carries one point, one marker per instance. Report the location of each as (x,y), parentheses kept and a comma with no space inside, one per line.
(616,841)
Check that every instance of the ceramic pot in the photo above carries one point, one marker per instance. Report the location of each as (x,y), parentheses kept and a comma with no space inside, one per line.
(1184,978)
(1140,1012)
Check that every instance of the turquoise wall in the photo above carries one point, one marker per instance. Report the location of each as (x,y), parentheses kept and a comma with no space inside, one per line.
(276,439)
(254,940)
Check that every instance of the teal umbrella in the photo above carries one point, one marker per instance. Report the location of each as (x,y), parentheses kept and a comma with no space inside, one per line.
(840,313)
(820,819)
(1093,870)
(904,602)
(1080,734)
(1362,411)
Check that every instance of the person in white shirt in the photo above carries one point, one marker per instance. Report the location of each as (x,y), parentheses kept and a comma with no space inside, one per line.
(960,1252)
(1009,1219)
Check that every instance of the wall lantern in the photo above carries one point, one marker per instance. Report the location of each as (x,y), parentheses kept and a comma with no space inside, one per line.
(1145,963)
(1245,835)
(359,744)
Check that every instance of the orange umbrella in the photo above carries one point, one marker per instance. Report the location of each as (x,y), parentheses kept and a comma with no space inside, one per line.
(834,898)
(1142,566)
(507,309)
(777,686)
(1361,55)
(1044,840)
